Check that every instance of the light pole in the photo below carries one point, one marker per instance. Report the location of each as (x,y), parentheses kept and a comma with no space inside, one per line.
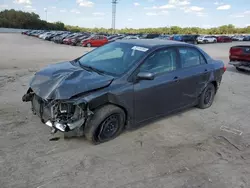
(114,2)
(46,13)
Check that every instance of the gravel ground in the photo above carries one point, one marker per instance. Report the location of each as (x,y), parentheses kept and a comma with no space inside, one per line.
(185,150)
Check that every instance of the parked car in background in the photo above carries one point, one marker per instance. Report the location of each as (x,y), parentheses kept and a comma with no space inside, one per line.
(177,37)
(131,37)
(149,36)
(95,41)
(25,32)
(38,33)
(116,38)
(224,39)
(69,40)
(246,38)
(52,35)
(111,37)
(240,57)
(122,85)
(44,35)
(238,38)
(192,39)
(76,41)
(69,37)
(163,37)
(206,39)
(31,33)
(59,39)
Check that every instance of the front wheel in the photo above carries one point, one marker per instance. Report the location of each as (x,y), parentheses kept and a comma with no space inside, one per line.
(88,45)
(207,97)
(106,124)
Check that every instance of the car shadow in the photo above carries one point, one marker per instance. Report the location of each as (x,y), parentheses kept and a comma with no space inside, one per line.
(233,69)
(130,129)
(160,118)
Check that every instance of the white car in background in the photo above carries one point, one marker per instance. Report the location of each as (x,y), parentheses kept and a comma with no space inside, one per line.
(42,36)
(131,37)
(238,38)
(206,39)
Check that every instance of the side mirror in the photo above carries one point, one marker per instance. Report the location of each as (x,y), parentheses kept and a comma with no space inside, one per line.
(145,76)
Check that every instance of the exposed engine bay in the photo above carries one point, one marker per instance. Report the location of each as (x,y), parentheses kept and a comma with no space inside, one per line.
(60,115)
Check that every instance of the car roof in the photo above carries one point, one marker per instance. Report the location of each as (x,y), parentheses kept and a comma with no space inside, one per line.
(153,42)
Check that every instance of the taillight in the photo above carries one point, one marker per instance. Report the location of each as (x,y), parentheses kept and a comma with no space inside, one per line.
(236,51)
(224,68)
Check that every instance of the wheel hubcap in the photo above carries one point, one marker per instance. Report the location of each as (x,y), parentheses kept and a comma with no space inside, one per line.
(109,127)
(208,96)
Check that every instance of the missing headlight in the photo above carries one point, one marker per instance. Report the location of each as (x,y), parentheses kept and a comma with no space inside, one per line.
(66,108)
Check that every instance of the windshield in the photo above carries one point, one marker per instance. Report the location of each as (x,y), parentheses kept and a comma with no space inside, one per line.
(114,58)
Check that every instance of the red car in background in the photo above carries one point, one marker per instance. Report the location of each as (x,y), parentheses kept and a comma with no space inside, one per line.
(95,41)
(67,41)
(224,39)
(240,57)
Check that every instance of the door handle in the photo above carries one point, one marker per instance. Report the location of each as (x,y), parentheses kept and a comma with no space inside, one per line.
(176,79)
(205,71)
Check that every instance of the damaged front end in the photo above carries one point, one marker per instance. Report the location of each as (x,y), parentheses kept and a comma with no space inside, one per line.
(62,115)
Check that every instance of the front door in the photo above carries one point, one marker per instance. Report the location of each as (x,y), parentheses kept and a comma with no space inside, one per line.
(159,96)
(94,41)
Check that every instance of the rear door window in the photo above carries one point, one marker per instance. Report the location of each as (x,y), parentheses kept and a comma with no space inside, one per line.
(191,57)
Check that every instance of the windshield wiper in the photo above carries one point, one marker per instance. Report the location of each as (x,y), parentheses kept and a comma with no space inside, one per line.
(89,68)
(94,69)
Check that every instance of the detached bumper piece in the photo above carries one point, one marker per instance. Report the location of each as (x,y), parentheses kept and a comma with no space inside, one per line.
(241,65)
(65,127)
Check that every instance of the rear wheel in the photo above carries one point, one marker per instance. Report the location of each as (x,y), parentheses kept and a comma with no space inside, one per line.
(207,97)
(106,124)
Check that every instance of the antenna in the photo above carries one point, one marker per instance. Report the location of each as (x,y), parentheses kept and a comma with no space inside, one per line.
(114,2)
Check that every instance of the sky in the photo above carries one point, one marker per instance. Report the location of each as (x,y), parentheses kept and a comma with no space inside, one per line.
(138,13)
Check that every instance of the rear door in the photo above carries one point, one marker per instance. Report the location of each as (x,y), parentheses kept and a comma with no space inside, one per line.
(193,75)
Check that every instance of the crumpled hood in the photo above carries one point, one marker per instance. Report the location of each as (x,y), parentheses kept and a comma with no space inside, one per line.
(64,80)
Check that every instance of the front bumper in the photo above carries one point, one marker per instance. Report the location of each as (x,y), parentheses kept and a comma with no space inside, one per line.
(241,65)
(52,114)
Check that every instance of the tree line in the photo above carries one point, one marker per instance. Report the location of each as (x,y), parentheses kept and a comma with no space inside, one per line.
(25,20)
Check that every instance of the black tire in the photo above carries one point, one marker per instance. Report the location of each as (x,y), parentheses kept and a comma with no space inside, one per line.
(89,45)
(239,69)
(207,97)
(97,130)
(205,41)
